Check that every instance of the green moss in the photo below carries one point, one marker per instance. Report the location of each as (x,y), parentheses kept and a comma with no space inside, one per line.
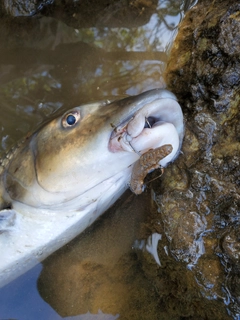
(203,44)
(235,16)
(233,109)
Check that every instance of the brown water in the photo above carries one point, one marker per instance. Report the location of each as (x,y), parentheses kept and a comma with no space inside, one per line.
(57,67)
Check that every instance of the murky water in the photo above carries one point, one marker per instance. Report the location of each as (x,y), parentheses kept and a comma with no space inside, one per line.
(108,267)
(56,66)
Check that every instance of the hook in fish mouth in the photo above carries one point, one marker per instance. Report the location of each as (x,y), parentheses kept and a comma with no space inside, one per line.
(121,133)
(134,149)
(144,131)
(124,139)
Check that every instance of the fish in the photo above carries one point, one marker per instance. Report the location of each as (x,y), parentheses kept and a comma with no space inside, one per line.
(57,181)
(91,316)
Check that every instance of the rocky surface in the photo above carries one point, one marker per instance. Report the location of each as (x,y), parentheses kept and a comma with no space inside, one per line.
(199,198)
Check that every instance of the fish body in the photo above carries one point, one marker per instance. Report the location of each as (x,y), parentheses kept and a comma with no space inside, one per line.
(56,182)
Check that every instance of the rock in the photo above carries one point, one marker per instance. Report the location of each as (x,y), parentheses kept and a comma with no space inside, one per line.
(24,8)
(199,196)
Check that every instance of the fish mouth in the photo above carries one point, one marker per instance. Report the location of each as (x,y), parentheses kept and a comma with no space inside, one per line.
(148,128)
(131,136)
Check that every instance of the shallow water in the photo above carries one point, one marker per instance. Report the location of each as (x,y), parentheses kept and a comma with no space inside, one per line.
(104,268)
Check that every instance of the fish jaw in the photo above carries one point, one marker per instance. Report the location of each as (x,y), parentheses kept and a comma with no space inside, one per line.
(167,128)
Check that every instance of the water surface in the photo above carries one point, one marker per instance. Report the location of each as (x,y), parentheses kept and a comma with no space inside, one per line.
(55,68)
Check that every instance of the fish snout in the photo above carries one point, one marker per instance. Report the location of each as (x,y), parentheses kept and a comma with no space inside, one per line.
(149,128)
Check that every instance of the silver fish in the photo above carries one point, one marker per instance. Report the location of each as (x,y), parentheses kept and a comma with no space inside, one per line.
(56,182)
(90,316)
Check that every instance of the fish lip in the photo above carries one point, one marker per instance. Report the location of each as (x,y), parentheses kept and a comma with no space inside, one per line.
(120,139)
(120,129)
(161,133)
(132,135)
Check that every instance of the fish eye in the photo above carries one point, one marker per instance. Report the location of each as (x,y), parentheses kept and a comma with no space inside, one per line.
(70,119)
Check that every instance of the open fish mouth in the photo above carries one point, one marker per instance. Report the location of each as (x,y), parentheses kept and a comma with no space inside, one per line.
(72,169)
(154,125)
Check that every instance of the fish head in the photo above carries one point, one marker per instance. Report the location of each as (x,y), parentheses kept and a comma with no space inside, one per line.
(88,145)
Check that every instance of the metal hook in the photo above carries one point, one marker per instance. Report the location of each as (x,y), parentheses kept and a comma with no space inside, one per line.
(148,123)
(134,149)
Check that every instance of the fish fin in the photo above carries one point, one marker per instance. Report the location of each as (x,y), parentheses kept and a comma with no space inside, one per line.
(7,220)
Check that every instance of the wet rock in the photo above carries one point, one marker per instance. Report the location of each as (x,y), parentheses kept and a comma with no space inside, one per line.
(27,8)
(231,244)
(199,196)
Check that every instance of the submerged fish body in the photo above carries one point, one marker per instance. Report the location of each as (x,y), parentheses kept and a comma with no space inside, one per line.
(91,316)
(60,179)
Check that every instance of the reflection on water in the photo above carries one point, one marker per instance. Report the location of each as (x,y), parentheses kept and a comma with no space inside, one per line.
(34,306)
(100,270)
(57,67)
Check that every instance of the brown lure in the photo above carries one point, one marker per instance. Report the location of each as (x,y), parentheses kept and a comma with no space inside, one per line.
(147,163)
